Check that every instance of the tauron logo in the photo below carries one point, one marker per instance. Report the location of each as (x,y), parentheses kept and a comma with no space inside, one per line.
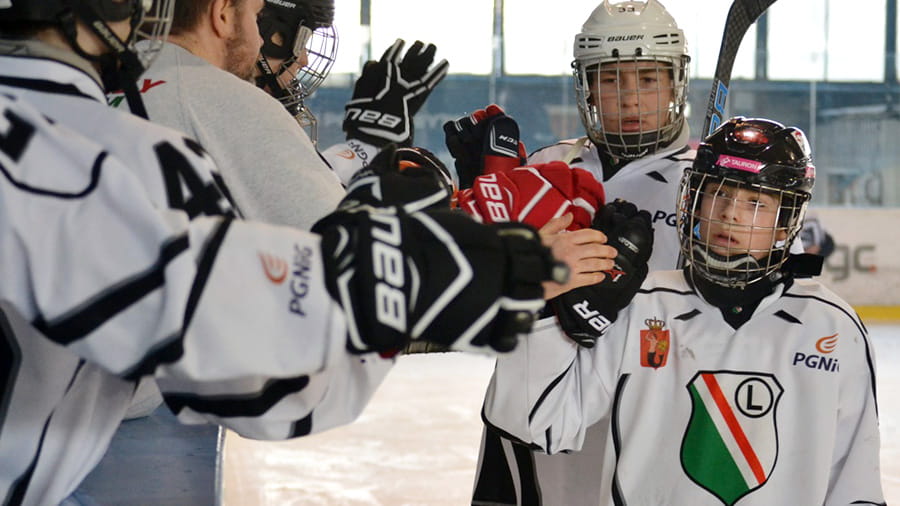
(275,268)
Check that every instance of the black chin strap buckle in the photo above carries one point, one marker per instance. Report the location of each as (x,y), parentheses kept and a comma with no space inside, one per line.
(804,265)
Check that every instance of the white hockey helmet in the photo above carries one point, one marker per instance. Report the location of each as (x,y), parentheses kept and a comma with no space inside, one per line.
(631,32)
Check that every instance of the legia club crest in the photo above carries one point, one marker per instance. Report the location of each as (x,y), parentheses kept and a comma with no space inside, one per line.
(731,443)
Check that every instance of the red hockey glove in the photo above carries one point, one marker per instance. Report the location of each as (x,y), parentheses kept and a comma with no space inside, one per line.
(484,142)
(534,195)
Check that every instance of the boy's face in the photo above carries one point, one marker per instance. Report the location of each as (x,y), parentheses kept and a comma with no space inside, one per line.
(737,221)
(285,75)
(633,96)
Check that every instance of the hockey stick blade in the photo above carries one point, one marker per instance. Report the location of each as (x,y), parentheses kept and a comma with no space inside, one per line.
(741,15)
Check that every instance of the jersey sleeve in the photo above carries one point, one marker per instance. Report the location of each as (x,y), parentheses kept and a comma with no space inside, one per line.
(232,317)
(549,390)
(348,157)
(855,468)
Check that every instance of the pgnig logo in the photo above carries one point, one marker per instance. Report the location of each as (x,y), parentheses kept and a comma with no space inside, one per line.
(820,359)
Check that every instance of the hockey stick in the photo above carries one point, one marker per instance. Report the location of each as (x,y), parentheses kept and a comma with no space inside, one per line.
(741,15)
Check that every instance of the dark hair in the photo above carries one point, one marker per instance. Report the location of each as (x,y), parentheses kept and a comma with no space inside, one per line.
(188,13)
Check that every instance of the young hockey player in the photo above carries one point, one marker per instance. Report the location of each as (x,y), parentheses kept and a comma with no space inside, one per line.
(299,46)
(631,74)
(120,259)
(728,382)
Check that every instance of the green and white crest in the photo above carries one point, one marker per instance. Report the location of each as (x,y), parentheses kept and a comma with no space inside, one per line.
(731,442)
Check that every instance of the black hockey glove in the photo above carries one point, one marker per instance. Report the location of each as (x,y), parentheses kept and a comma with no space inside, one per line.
(410,177)
(435,276)
(585,313)
(389,92)
(483,142)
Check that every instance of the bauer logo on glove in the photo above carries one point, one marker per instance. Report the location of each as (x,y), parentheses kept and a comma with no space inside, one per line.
(534,195)
(586,312)
(390,91)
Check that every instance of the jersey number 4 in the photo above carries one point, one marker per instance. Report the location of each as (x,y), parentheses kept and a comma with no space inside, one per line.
(185,189)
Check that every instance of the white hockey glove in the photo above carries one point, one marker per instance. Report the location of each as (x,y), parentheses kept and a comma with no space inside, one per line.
(389,92)
(434,275)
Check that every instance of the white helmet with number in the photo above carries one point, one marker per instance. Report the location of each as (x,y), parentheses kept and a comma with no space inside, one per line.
(631,117)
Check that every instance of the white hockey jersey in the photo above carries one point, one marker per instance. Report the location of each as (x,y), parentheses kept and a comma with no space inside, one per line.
(511,475)
(780,411)
(119,259)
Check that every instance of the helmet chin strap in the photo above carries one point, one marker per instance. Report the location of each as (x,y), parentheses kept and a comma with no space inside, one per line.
(269,79)
(724,270)
(119,69)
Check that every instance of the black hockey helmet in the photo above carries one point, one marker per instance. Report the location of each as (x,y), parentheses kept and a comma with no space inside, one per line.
(291,30)
(411,177)
(125,61)
(53,10)
(150,20)
(285,17)
(779,157)
(760,156)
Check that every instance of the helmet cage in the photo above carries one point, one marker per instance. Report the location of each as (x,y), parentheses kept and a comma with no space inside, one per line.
(723,263)
(616,141)
(288,31)
(626,35)
(152,30)
(321,50)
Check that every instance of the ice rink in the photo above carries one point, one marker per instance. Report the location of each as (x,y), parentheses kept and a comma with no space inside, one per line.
(417,442)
